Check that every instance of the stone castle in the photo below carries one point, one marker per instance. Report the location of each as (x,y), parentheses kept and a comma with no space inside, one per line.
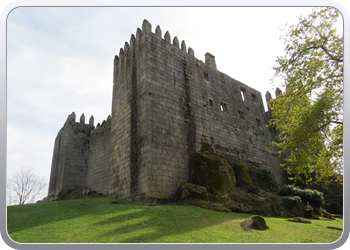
(166,103)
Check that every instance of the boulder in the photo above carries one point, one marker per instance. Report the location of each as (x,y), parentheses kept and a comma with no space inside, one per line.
(254,222)
(191,191)
(243,174)
(213,172)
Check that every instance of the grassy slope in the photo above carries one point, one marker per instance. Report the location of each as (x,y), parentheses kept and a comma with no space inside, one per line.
(98,221)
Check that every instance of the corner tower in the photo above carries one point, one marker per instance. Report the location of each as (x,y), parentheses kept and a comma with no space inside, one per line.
(148,137)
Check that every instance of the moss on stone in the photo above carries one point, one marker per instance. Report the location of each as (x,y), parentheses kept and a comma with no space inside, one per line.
(255,222)
(243,174)
(191,191)
(213,172)
(77,194)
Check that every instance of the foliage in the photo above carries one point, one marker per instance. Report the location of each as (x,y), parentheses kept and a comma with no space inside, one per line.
(291,201)
(334,208)
(268,178)
(313,196)
(308,115)
(25,186)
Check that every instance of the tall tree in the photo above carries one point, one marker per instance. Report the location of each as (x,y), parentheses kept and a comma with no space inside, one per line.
(309,114)
(25,186)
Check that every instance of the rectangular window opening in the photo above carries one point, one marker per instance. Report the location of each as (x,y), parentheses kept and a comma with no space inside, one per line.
(258,121)
(223,106)
(255,98)
(244,94)
(241,114)
(211,103)
(206,76)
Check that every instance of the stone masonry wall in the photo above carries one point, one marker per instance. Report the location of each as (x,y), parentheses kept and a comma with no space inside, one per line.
(128,125)
(225,112)
(98,163)
(172,138)
(70,158)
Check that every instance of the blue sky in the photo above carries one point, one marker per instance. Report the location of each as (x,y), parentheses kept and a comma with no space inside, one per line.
(60,60)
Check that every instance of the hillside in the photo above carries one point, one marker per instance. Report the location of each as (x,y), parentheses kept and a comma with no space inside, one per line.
(110,220)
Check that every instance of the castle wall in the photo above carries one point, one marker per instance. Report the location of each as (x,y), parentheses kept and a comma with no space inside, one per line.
(58,161)
(98,163)
(129,124)
(70,159)
(172,138)
(230,116)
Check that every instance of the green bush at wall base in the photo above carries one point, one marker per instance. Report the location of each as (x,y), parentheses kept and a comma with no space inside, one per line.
(313,196)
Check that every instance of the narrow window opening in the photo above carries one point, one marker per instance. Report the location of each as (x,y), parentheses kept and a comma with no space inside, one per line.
(206,76)
(223,106)
(241,114)
(244,94)
(258,121)
(255,98)
(211,102)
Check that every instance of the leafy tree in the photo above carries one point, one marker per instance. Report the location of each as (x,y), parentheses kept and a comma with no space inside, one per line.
(25,186)
(309,114)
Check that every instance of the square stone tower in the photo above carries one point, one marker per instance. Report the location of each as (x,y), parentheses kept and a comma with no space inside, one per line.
(166,105)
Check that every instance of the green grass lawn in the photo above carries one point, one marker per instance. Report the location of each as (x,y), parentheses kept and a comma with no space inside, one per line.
(98,221)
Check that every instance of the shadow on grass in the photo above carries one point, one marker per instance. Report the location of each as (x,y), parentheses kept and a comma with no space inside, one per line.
(120,223)
(152,223)
(21,217)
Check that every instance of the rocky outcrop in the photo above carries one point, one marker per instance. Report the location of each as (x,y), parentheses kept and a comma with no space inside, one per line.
(213,172)
(191,191)
(215,185)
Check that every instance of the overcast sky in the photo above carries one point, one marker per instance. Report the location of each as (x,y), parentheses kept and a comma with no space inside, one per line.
(60,60)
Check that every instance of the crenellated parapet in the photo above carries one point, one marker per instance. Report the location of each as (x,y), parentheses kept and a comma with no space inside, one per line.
(103,125)
(72,117)
(268,96)
(145,34)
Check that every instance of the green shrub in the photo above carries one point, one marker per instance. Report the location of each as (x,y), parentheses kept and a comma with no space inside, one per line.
(313,196)
(269,179)
(285,190)
(334,208)
(291,201)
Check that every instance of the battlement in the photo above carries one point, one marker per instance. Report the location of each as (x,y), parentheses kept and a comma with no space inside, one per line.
(146,33)
(72,117)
